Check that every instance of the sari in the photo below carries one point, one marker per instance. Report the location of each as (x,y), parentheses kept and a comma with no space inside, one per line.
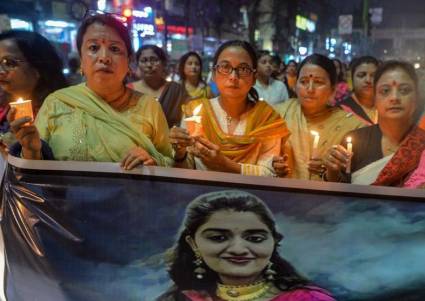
(331,127)
(202,91)
(173,96)
(350,105)
(252,147)
(78,125)
(404,161)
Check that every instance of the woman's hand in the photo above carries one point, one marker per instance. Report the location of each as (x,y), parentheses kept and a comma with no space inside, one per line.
(137,156)
(281,166)
(316,166)
(336,160)
(211,156)
(180,139)
(27,135)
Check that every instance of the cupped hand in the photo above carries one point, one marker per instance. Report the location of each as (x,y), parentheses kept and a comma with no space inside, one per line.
(212,157)
(180,139)
(336,160)
(281,166)
(135,157)
(316,166)
(26,133)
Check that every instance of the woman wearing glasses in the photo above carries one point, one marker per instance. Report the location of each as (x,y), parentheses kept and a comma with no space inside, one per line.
(237,132)
(30,68)
(315,86)
(101,119)
(152,62)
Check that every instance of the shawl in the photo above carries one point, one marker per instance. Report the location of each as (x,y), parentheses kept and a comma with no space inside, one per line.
(100,121)
(405,160)
(263,123)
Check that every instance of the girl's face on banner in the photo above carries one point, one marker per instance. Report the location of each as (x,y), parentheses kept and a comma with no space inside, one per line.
(236,245)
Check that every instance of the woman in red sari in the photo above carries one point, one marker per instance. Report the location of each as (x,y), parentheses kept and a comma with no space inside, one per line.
(387,153)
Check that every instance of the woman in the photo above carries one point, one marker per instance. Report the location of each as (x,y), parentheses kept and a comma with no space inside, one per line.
(30,68)
(152,61)
(291,78)
(269,89)
(102,119)
(361,101)
(341,89)
(310,112)
(228,250)
(387,153)
(190,71)
(240,134)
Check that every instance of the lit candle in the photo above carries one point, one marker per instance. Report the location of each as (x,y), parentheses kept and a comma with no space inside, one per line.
(350,152)
(23,108)
(193,123)
(314,153)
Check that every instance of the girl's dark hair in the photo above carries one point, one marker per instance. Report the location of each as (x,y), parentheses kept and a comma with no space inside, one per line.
(340,75)
(158,51)
(367,59)
(323,62)
(197,213)
(410,71)
(262,53)
(107,20)
(292,62)
(42,56)
(252,94)
(183,60)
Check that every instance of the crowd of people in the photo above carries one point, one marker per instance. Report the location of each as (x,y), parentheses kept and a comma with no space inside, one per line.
(257,116)
(302,121)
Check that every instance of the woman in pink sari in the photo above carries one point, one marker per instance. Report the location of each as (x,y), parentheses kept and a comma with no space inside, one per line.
(227,250)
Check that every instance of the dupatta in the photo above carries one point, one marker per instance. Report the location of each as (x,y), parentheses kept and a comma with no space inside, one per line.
(404,161)
(97,112)
(263,123)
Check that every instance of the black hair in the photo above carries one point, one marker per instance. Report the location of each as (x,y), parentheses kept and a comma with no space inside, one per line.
(198,212)
(160,53)
(183,60)
(292,62)
(262,53)
(340,75)
(276,60)
(107,20)
(323,62)
(356,62)
(410,71)
(42,56)
(252,94)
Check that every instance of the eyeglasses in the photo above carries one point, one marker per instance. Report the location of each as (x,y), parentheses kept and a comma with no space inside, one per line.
(152,59)
(9,64)
(241,71)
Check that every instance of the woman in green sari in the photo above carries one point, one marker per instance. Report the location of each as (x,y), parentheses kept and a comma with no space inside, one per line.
(102,119)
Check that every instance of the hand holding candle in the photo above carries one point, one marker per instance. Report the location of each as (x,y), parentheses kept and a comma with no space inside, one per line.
(350,152)
(193,123)
(314,153)
(23,108)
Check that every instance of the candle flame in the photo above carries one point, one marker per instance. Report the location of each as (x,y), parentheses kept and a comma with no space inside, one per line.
(349,139)
(197,110)
(314,133)
(20,99)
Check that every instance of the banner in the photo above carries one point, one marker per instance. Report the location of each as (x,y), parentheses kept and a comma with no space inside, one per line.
(88,231)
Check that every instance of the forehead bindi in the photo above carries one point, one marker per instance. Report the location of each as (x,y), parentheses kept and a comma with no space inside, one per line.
(395,78)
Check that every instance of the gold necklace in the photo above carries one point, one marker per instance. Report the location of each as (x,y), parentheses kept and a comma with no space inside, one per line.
(248,292)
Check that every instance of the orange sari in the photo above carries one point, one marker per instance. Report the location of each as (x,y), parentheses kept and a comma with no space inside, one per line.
(263,124)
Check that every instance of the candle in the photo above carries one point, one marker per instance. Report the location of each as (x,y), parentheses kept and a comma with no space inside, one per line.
(193,123)
(350,152)
(316,135)
(23,108)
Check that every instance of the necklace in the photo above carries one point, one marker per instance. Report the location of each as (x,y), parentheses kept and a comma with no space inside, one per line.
(250,292)
(228,120)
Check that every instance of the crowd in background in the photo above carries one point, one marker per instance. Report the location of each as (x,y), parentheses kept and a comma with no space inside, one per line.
(319,119)
(253,115)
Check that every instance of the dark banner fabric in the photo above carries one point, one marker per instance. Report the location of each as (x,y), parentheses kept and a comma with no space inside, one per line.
(90,235)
